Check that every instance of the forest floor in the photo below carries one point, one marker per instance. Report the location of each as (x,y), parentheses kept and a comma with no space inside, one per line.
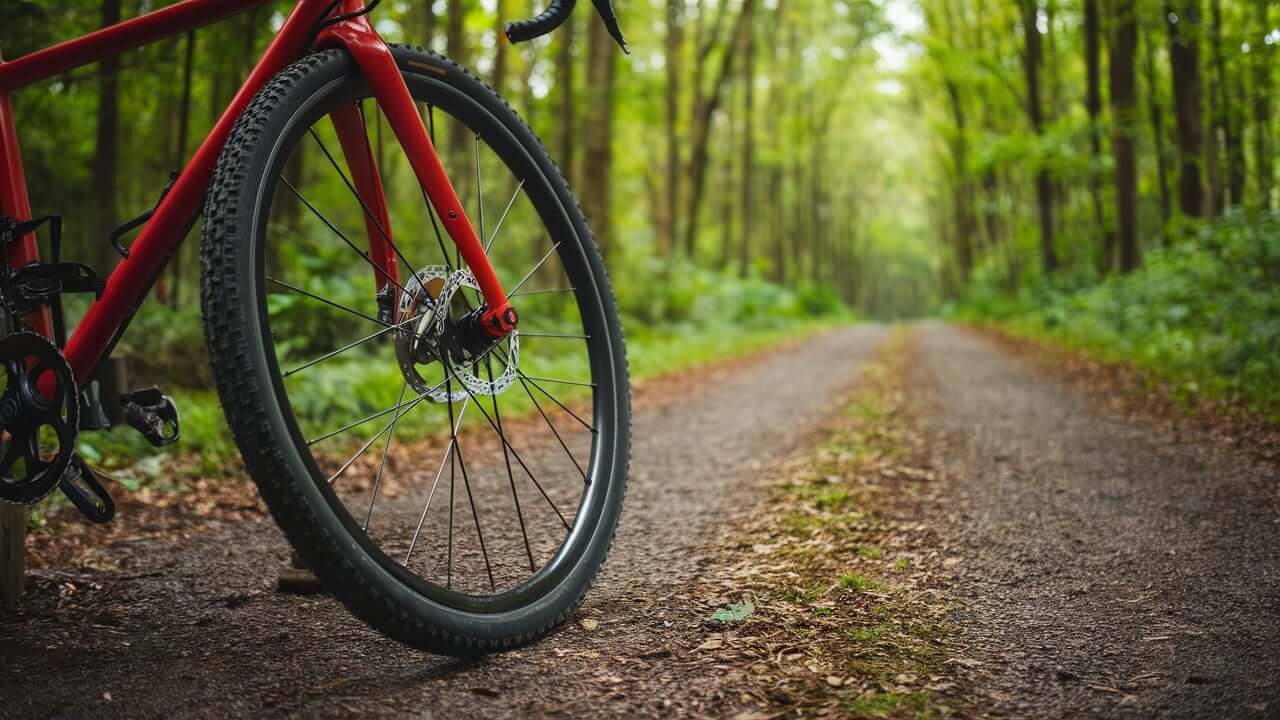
(926,523)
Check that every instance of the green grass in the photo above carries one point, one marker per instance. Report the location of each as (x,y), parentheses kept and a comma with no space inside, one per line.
(884,704)
(1202,314)
(858,583)
(350,390)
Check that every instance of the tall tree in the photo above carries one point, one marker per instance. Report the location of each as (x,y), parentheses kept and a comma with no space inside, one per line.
(1262,54)
(567,117)
(179,159)
(428,26)
(598,132)
(748,141)
(499,77)
(458,142)
(1032,58)
(1093,106)
(669,227)
(1227,117)
(1183,19)
(705,110)
(1124,102)
(1155,112)
(106,148)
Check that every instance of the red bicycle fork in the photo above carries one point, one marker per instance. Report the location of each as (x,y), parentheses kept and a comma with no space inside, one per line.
(379,67)
(129,282)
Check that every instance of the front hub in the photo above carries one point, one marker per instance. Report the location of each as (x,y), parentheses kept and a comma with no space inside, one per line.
(441,336)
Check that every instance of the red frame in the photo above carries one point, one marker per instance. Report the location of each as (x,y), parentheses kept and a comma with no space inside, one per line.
(128,284)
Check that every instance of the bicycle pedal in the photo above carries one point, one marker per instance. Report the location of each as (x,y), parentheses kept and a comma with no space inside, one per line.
(153,414)
(82,488)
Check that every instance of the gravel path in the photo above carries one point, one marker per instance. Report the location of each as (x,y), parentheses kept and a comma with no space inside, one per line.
(1109,570)
(192,627)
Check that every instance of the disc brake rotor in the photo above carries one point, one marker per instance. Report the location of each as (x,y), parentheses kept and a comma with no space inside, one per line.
(425,311)
(39,417)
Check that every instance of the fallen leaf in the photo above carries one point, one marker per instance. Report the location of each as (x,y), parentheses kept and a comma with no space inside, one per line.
(736,612)
(590,624)
(835,680)
(712,644)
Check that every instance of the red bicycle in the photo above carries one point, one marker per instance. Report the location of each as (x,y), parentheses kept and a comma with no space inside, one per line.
(472,527)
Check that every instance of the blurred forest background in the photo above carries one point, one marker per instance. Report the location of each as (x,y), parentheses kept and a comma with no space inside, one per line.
(1095,171)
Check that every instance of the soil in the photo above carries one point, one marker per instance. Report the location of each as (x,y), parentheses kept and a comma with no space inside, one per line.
(190,624)
(1112,566)
(1090,555)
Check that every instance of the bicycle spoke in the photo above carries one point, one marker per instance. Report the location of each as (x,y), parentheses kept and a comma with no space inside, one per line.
(375,416)
(431,212)
(503,219)
(550,291)
(479,189)
(448,454)
(365,448)
(535,269)
(562,336)
(466,482)
(527,471)
(523,377)
(382,464)
(368,213)
(543,390)
(345,348)
(531,378)
(555,432)
(326,301)
(362,253)
(506,458)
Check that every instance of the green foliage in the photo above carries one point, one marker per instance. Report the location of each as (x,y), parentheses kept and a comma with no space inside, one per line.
(1204,312)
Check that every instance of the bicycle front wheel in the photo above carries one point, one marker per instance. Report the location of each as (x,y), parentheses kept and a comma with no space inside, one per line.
(459,500)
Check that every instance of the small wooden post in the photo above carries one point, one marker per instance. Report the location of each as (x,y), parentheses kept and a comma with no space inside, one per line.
(13,533)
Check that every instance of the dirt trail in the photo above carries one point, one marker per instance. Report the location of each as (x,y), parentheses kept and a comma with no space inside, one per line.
(193,628)
(1109,569)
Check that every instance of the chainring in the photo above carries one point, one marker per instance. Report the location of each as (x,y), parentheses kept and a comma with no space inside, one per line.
(38,429)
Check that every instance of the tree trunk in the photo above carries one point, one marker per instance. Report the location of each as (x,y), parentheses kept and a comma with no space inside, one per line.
(669,228)
(1156,113)
(179,273)
(1214,203)
(702,129)
(1124,101)
(1031,61)
(567,122)
(1183,21)
(1093,105)
(1227,116)
(1262,64)
(598,133)
(748,142)
(500,46)
(428,23)
(460,159)
(778,268)
(962,200)
(106,150)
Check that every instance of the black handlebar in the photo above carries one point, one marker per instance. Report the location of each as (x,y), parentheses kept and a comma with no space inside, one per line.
(556,14)
(541,24)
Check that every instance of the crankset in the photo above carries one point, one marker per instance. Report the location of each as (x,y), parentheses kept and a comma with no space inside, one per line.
(39,417)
